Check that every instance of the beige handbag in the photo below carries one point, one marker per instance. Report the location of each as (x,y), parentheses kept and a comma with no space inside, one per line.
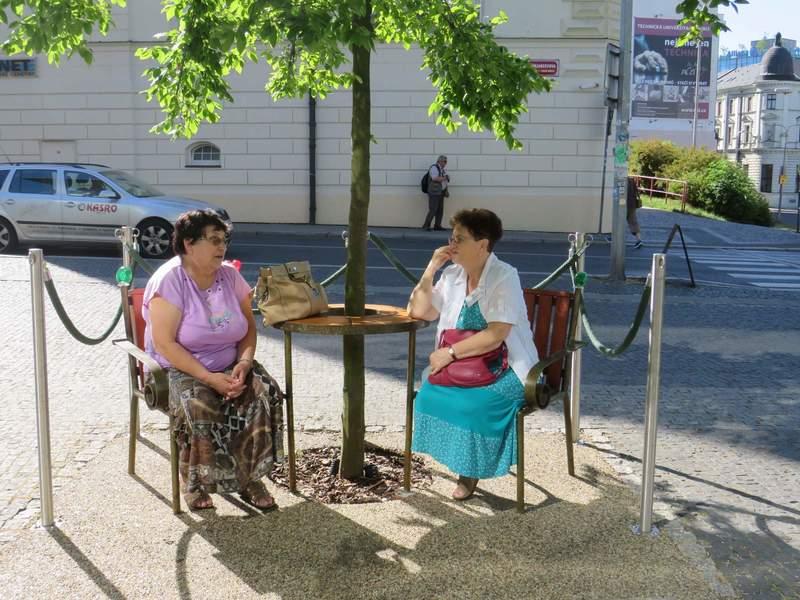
(288,291)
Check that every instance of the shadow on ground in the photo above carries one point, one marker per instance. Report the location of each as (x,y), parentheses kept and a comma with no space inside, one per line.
(118,537)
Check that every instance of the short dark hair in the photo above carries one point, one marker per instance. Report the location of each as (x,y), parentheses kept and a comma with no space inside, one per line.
(191,224)
(481,223)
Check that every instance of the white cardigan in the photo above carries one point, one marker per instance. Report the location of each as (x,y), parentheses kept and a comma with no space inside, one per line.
(499,296)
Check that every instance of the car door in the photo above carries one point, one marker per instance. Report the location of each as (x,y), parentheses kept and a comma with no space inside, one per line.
(92,208)
(33,202)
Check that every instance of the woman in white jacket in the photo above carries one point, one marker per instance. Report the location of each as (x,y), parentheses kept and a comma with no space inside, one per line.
(471,429)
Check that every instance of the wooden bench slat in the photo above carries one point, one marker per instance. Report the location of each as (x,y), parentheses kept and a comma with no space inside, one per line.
(549,314)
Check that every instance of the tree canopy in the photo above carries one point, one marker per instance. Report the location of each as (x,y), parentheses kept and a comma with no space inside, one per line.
(305,42)
(699,13)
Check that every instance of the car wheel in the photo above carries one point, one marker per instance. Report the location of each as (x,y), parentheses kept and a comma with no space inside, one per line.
(8,237)
(155,238)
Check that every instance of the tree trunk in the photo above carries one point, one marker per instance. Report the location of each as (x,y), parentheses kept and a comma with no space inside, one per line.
(352,462)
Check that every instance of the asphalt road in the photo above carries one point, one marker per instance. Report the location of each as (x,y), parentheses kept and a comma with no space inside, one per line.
(385,284)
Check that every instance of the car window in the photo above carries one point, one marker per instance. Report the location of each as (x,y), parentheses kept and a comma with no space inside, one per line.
(34,181)
(3,175)
(82,184)
(131,184)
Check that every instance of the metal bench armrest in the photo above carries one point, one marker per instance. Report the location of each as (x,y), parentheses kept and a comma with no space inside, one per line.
(537,395)
(156,391)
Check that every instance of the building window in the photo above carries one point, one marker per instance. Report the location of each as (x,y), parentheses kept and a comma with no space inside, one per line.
(730,106)
(769,133)
(746,169)
(746,137)
(203,155)
(772,101)
(729,136)
(719,107)
(766,178)
(749,104)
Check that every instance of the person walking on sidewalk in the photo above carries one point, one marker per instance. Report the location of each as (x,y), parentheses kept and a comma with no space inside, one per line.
(633,202)
(437,192)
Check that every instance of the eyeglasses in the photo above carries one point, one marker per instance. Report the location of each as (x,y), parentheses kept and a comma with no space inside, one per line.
(217,240)
(459,239)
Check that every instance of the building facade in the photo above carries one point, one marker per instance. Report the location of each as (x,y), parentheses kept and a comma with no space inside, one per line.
(758,124)
(255,161)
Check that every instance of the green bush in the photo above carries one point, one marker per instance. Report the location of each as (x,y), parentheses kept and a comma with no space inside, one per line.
(731,194)
(688,160)
(650,157)
(714,184)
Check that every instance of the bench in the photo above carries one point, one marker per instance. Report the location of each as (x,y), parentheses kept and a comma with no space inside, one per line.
(553,323)
(154,391)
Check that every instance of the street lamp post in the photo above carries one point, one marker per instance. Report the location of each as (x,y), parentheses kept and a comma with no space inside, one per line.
(785,92)
(698,45)
(782,176)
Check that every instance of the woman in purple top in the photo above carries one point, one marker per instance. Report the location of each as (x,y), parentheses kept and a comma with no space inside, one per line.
(201,329)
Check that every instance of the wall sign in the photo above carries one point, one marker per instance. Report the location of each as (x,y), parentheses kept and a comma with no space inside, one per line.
(17,67)
(664,73)
(546,67)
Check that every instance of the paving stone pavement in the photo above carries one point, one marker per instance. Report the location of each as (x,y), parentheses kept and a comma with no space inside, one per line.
(728,450)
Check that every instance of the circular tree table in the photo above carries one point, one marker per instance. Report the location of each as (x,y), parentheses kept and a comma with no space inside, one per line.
(377,319)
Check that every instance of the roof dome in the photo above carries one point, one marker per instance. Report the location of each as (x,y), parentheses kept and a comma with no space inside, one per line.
(777,63)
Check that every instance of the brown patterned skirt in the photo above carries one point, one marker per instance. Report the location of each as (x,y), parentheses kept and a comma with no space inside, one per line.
(224,445)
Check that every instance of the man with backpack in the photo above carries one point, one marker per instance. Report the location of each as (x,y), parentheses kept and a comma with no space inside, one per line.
(434,183)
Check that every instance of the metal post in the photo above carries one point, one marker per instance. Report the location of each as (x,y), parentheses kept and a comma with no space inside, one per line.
(698,45)
(783,173)
(658,275)
(288,396)
(36,260)
(127,238)
(575,374)
(412,351)
(621,145)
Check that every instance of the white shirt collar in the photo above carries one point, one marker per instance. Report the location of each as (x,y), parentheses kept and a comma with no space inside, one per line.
(479,291)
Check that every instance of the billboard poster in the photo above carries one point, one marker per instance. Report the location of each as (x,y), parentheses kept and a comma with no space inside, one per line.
(664,73)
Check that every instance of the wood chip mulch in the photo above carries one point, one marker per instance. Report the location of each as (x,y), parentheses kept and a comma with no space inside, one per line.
(318,478)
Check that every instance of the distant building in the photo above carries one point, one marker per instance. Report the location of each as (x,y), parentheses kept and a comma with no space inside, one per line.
(758,123)
(733,59)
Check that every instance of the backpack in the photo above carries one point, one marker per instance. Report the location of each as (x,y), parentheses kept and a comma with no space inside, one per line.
(426,179)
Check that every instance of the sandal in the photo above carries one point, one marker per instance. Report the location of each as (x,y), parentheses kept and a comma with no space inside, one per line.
(257,495)
(465,488)
(198,500)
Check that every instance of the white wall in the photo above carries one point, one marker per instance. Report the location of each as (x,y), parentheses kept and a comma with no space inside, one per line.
(553,184)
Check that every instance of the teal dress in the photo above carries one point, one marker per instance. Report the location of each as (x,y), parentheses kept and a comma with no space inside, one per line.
(470,430)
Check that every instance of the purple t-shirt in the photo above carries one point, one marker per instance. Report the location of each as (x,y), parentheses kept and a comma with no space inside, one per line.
(212,323)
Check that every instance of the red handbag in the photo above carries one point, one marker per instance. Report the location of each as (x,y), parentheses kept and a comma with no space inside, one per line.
(473,371)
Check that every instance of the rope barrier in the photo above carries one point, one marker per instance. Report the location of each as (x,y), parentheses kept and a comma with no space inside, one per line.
(632,331)
(138,260)
(333,277)
(392,258)
(68,324)
(567,264)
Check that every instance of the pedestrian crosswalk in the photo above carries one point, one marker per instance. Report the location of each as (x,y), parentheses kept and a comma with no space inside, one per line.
(772,270)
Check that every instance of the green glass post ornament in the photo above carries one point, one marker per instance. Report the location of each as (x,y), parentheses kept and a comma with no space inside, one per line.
(580,279)
(124,276)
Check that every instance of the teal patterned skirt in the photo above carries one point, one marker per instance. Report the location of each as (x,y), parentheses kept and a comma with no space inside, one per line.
(470,430)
